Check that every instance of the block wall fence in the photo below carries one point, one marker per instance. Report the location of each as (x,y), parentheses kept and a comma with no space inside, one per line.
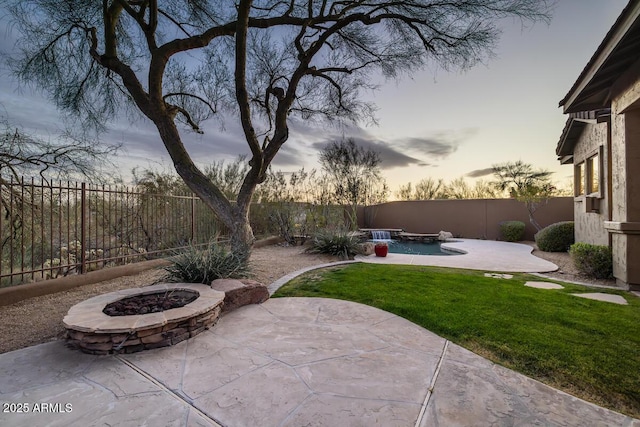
(473,219)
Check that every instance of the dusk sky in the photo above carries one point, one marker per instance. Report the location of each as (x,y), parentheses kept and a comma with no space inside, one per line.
(438,124)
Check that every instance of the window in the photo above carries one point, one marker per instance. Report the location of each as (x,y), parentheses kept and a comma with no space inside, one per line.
(593,174)
(578,183)
(587,175)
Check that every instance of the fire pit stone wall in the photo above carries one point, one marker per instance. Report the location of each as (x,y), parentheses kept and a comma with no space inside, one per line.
(92,331)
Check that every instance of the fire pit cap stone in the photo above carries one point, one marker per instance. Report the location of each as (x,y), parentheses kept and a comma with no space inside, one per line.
(87,316)
(239,293)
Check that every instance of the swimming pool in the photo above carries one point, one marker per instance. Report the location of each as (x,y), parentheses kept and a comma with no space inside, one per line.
(418,248)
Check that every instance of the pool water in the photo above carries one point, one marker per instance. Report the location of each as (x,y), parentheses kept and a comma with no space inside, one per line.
(418,248)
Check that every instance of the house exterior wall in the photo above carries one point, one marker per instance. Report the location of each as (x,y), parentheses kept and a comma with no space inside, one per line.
(625,219)
(611,81)
(589,226)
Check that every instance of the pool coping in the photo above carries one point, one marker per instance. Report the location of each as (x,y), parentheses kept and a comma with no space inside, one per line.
(486,255)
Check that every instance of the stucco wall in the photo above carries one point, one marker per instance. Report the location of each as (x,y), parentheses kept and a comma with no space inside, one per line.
(619,167)
(589,226)
(626,186)
(477,219)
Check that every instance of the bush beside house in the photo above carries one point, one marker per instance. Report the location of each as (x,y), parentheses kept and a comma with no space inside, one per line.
(556,237)
(593,260)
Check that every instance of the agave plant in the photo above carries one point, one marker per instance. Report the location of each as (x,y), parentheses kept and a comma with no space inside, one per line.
(342,244)
(197,265)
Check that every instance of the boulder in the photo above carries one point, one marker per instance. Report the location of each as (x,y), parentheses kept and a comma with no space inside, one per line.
(368,248)
(443,236)
(238,293)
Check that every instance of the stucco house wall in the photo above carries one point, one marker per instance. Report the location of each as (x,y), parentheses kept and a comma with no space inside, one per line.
(604,108)
(625,220)
(589,225)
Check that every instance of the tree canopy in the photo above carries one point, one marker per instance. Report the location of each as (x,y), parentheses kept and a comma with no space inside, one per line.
(265,61)
(526,184)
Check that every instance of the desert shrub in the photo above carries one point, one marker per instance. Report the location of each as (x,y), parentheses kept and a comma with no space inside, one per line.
(557,237)
(592,260)
(512,231)
(198,265)
(339,243)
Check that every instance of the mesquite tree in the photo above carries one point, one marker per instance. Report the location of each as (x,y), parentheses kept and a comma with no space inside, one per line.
(264,60)
(523,183)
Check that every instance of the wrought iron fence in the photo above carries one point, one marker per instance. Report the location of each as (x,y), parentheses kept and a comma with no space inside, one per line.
(49,229)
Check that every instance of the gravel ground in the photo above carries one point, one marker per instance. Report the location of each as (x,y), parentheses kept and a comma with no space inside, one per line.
(566,270)
(38,320)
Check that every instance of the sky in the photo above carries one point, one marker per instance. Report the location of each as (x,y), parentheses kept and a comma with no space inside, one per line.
(437,124)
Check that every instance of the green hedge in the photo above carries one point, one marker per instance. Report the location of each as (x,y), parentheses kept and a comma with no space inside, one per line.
(512,231)
(593,260)
(557,237)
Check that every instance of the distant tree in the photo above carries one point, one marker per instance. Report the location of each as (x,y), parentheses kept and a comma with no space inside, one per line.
(523,183)
(485,190)
(459,188)
(564,189)
(355,177)
(151,181)
(227,176)
(405,192)
(61,157)
(264,60)
(426,189)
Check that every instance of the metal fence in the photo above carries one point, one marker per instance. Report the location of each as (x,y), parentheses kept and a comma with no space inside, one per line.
(49,229)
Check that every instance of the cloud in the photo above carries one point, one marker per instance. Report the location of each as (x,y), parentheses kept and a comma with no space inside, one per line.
(398,152)
(289,156)
(480,172)
(433,147)
(389,156)
(214,145)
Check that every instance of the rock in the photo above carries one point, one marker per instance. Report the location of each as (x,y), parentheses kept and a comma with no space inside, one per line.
(238,293)
(368,248)
(443,236)
(155,338)
(97,346)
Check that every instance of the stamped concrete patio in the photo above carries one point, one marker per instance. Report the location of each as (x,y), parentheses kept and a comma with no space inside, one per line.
(297,362)
(287,362)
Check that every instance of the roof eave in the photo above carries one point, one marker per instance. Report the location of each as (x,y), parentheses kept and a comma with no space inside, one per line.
(619,29)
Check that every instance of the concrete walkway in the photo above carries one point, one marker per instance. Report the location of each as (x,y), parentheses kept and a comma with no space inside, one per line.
(287,362)
(477,255)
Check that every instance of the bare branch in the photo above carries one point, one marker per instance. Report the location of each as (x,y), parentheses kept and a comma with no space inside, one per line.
(263,60)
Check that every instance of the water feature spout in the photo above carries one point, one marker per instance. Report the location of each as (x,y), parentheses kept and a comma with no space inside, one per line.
(380,235)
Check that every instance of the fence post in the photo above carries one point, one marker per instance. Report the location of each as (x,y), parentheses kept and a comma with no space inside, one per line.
(83,228)
(193,219)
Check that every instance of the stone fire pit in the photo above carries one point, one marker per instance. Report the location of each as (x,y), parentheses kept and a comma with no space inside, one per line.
(93,331)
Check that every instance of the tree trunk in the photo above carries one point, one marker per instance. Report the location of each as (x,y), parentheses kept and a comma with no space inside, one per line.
(234,216)
(241,234)
(530,210)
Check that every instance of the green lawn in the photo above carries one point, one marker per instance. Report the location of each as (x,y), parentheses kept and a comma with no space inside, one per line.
(590,349)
